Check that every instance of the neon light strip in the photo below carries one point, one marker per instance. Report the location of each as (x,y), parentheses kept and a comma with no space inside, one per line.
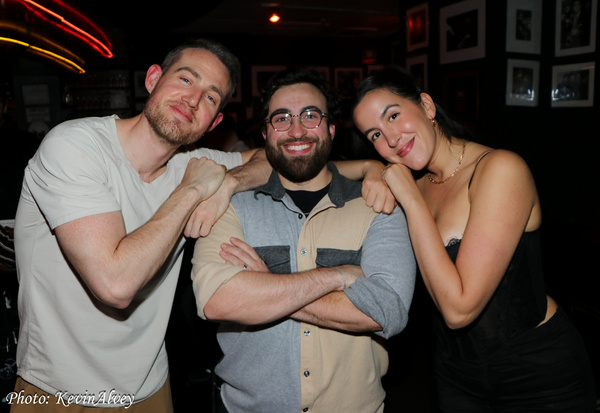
(94,42)
(70,64)
(86,20)
(25,33)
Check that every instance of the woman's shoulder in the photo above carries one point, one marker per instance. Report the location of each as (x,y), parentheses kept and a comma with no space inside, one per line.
(499,164)
(490,158)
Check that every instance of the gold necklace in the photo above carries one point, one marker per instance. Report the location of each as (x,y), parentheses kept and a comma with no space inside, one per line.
(433,181)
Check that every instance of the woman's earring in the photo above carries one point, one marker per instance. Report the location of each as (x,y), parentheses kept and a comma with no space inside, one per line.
(433,122)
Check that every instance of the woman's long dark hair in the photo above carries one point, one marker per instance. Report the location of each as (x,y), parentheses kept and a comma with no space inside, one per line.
(398,81)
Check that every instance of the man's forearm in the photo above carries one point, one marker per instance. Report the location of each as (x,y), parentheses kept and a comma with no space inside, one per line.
(358,169)
(116,265)
(251,174)
(337,312)
(259,297)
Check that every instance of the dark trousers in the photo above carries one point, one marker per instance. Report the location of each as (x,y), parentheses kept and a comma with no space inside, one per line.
(218,406)
(545,369)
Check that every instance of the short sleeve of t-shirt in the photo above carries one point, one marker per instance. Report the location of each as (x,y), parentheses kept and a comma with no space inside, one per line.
(81,170)
(68,176)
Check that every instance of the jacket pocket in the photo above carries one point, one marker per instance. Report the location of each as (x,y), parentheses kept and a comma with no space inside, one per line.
(277,258)
(331,257)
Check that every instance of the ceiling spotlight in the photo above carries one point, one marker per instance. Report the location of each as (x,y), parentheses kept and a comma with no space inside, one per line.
(274,17)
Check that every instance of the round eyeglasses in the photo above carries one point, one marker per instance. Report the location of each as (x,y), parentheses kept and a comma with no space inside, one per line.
(310,119)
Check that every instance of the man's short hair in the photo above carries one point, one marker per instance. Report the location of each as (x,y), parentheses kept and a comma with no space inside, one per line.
(294,76)
(221,52)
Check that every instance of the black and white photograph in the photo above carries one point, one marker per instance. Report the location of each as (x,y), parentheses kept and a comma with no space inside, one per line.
(522,82)
(573,85)
(417,66)
(575,26)
(524,26)
(462,31)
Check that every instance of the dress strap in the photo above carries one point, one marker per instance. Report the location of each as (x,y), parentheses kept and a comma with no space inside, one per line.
(476,165)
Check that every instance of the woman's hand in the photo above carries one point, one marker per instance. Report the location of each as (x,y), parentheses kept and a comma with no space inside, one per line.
(241,254)
(375,192)
(400,180)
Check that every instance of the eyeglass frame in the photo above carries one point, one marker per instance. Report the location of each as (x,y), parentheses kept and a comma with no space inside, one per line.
(269,120)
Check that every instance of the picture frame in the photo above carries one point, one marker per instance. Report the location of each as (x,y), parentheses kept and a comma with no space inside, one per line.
(462,31)
(522,82)
(347,79)
(417,27)
(461,96)
(573,85)
(417,66)
(261,75)
(524,26)
(575,27)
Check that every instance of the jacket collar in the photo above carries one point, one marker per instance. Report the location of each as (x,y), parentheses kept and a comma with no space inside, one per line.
(341,189)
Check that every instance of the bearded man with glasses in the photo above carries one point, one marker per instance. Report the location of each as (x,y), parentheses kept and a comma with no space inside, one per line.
(305,278)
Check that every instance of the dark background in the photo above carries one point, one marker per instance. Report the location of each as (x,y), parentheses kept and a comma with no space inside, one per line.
(561,145)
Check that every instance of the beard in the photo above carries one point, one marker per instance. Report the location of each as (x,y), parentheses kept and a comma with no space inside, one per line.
(299,168)
(169,130)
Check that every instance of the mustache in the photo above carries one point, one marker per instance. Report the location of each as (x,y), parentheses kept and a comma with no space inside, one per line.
(181,104)
(294,140)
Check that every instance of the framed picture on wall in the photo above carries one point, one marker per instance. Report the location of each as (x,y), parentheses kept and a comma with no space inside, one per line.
(347,79)
(260,76)
(524,26)
(461,95)
(462,31)
(522,82)
(575,26)
(573,85)
(417,27)
(417,66)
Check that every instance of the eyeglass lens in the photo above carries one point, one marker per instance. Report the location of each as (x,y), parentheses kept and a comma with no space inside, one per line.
(310,119)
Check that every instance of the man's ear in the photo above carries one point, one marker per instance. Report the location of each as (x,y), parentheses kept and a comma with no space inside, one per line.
(332,130)
(216,121)
(152,76)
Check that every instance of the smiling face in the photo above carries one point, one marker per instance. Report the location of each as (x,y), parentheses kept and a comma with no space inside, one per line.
(184,101)
(298,154)
(401,130)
